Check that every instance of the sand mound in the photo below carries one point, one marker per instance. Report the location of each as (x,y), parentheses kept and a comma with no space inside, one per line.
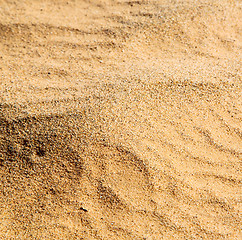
(120,119)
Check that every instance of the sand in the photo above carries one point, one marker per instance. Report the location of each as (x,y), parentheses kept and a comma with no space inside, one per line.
(120,119)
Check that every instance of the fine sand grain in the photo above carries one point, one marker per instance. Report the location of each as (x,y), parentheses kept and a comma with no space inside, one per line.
(120,119)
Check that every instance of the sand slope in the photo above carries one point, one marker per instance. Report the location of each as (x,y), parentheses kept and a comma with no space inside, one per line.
(120,119)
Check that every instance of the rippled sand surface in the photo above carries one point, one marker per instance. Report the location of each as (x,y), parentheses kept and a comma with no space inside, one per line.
(120,119)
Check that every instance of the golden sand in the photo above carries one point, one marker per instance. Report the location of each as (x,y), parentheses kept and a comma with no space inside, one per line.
(120,119)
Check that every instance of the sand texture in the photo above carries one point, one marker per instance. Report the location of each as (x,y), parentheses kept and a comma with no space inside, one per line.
(120,119)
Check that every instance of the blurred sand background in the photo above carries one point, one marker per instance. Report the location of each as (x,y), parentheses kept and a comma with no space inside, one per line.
(120,119)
